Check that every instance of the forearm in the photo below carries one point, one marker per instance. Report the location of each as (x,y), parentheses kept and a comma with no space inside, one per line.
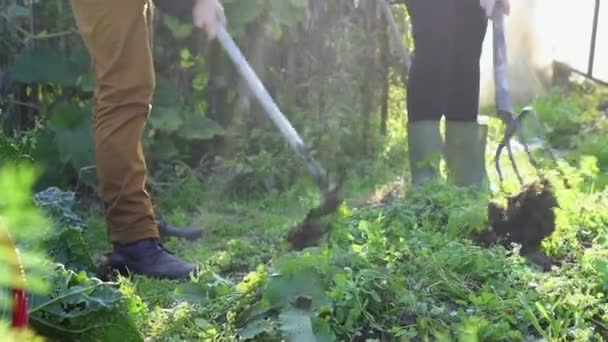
(178,8)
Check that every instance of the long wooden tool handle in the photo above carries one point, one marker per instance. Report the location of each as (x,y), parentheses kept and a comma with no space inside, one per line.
(270,107)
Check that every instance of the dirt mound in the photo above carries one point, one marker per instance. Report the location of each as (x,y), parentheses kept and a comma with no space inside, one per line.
(527,219)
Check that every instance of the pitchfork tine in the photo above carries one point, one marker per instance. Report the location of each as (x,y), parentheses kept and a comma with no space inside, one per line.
(513,163)
(512,124)
(501,146)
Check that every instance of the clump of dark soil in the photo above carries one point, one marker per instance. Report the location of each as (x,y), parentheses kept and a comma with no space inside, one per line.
(527,220)
(310,232)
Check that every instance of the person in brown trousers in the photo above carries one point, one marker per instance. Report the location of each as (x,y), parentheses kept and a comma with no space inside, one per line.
(116,35)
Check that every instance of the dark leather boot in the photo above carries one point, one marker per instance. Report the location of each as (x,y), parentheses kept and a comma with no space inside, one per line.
(167,230)
(149,257)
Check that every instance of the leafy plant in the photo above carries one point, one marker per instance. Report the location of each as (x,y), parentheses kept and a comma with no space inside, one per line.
(26,225)
(59,205)
(79,307)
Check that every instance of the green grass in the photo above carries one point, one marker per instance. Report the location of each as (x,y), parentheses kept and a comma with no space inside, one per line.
(401,272)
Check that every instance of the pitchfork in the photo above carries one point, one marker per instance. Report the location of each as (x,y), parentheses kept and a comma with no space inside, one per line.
(504,104)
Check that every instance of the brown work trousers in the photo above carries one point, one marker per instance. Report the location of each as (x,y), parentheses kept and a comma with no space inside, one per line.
(117,36)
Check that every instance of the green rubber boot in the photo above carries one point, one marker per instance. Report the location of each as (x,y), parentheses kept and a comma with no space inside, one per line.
(425,145)
(465,146)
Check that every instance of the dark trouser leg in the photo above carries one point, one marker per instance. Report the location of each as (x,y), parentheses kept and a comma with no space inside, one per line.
(465,137)
(428,80)
(469,25)
(427,85)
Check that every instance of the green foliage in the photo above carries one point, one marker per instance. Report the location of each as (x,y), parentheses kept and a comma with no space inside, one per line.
(79,305)
(10,335)
(84,308)
(201,109)
(172,126)
(25,223)
(64,302)
(69,248)
(66,244)
(562,117)
(397,272)
(8,150)
(59,205)
(42,66)
(18,149)
(574,126)
(71,123)
(240,14)
(406,271)
(401,271)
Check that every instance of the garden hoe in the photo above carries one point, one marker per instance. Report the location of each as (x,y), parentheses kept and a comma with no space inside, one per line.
(311,230)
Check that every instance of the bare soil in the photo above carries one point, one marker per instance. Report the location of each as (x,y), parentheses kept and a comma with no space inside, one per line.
(527,220)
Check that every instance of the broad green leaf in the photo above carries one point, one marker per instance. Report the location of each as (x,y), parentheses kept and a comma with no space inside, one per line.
(166,93)
(123,328)
(304,284)
(179,29)
(8,150)
(200,128)
(69,248)
(68,116)
(43,65)
(323,331)
(296,325)
(543,311)
(165,119)
(255,328)
(75,147)
(240,13)
(288,13)
(73,135)
(186,59)
(164,148)
(199,82)
(59,205)
(208,286)
(82,308)
(15,11)
(80,59)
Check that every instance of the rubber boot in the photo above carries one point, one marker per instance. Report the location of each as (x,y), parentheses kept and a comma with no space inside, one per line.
(425,145)
(167,230)
(465,146)
(148,257)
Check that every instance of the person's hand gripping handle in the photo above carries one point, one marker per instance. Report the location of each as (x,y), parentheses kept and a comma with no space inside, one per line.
(209,16)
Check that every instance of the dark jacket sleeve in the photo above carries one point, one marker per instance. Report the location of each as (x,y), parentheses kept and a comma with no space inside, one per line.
(179,8)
